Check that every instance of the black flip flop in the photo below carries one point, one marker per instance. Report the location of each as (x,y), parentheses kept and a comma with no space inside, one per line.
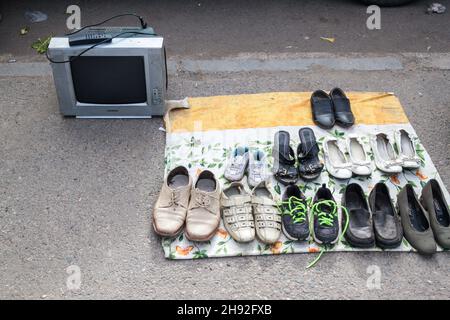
(322,109)
(309,165)
(284,159)
(342,109)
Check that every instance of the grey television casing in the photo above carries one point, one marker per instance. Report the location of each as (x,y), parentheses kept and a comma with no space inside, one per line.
(151,48)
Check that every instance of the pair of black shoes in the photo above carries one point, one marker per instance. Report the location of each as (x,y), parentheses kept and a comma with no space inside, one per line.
(380,224)
(331,109)
(295,211)
(285,166)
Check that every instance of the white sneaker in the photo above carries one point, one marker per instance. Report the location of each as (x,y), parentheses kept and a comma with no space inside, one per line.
(257,168)
(406,149)
(336,162)
(384,153)
(361,164)
(237,164)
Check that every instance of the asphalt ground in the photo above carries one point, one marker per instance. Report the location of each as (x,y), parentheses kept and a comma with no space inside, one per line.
(215,28)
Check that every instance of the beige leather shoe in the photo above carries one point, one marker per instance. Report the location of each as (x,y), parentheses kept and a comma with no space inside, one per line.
(267,216)
(203,214)
(236,207)
(170,209)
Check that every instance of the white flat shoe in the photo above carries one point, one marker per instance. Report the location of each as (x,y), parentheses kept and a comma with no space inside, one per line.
(406,149)
(384,153)
(361,164)
(336,162)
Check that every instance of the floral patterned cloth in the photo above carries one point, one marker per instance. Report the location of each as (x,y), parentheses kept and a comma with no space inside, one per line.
(210,149)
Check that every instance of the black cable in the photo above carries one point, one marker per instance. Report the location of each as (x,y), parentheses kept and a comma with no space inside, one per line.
(93,46)
(143,23)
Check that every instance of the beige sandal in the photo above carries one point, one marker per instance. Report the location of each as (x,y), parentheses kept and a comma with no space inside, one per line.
(267,216)
(237,214)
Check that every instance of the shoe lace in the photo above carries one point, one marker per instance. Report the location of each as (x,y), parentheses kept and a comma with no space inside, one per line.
(202,200)
(297,209)
(174,198)
(327,219)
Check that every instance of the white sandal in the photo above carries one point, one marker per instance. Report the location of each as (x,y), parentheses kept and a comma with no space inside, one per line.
(267,216)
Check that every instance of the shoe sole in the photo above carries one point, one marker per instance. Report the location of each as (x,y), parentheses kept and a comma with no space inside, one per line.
(361,246)
(310,178)
(323,127)
(321,242)
(340,124)
(384,246)
(206,238)
(162,234)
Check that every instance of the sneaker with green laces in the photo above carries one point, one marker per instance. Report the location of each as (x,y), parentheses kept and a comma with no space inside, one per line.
(324,213)
(294,214)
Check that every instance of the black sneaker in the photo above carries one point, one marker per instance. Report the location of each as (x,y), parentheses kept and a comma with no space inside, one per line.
(325,217)
(294,211)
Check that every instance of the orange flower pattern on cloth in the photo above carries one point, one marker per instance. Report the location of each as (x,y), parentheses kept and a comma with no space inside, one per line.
(183,251)
(394,179)
(421,176)
(276,247)
(222,233)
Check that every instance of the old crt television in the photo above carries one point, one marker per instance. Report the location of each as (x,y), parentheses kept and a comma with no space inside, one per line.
(122,77)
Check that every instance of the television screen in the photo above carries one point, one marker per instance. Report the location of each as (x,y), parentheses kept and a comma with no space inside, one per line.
(109,79)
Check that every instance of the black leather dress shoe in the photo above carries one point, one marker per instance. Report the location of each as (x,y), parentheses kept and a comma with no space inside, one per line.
(360,227)
(386,221)
(342,110)
(322,109)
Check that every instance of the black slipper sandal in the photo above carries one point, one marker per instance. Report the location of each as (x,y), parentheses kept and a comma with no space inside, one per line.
(283,159)
(322,109)
(342,110)
(309,165)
